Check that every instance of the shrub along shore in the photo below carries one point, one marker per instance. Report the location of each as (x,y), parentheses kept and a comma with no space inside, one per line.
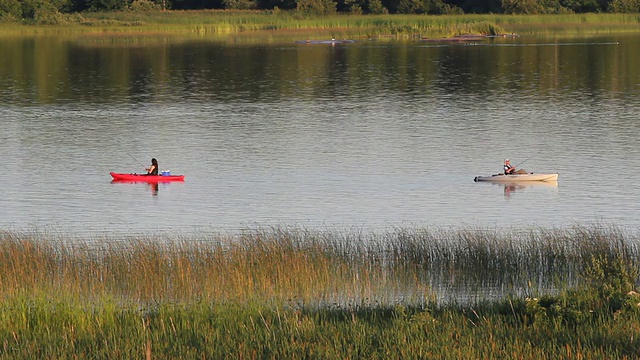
(300,293)
(206,23)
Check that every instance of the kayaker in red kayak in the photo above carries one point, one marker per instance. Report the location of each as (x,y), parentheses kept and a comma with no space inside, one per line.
(153,169)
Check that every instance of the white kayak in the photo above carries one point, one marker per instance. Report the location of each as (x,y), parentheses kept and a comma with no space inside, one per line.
(517,177)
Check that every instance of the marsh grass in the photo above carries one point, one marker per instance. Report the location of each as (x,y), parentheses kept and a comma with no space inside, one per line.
(256,265)
(46,328)
(310,266)
(285,25)
(300,293)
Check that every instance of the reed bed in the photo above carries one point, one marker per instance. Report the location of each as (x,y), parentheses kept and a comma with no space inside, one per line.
(284,24)
(311,266)
(299,293)
(207,23)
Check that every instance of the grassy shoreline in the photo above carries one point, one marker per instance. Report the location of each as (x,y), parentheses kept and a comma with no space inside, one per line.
(227,23)
(313,266)
(299,293)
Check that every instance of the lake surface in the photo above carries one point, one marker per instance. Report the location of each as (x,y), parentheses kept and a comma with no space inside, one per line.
(371,134)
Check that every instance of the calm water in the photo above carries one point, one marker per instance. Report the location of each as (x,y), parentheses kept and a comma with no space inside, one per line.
(369,135)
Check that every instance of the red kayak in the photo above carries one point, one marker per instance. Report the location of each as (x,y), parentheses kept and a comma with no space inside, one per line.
(146,178)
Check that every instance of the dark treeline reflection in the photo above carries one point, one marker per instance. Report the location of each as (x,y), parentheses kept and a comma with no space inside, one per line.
(52,70)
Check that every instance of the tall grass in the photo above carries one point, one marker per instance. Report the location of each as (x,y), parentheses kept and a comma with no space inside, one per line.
(572,24)
(311,266)
(207,23)
(269,293)
(65,329)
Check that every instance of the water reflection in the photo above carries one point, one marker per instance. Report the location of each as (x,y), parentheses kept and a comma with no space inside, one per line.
(154,186)
(510,188)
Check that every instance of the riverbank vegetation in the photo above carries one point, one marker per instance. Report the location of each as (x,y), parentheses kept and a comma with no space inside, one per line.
(41,9)
(288,25)
(299,293)
(242,15)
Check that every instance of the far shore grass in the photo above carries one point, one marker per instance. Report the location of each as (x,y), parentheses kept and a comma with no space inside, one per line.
(221,23)
(297,293)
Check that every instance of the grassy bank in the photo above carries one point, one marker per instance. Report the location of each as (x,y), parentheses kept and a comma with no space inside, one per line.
(289,24)
(297,293)
(313,267)
(547,328)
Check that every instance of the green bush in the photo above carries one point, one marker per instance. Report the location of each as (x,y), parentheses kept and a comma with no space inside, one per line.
(427,7)
(522,7)
(143,5)
(413,7)
(581,6)
(376,7)
(10,9)
(610,279)
(239,4)
(624,6)
(316,7)
(607,291)
(43,12)
(98,5)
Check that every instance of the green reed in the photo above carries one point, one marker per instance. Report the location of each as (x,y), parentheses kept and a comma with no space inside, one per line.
(312,266)
(280,293)
(284,25)
(46,328)
(261,264)
(287,24)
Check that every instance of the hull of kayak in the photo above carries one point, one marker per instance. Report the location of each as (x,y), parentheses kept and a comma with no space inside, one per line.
(517,178)
(146,178)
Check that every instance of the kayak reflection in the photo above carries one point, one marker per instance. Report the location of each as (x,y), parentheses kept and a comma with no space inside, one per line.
(519,186)
(154,186)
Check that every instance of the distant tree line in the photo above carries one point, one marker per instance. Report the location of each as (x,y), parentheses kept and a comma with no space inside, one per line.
(33,9)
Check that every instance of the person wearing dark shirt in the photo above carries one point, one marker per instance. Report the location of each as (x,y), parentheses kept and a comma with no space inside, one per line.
(153,169)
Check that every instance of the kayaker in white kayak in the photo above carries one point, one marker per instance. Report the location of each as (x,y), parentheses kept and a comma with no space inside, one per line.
(510,169)
(153,169)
